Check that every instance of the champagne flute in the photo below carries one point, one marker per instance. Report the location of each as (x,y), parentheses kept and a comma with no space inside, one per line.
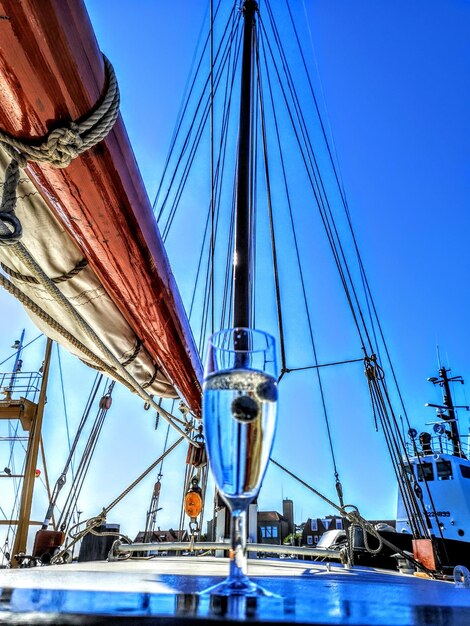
(239,412)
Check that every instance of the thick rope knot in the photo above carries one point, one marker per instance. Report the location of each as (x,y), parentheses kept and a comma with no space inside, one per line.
(12,178)
(63,145)
(12,231)
(59,148)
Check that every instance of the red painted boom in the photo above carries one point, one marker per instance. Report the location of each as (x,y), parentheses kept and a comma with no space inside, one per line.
(51,72)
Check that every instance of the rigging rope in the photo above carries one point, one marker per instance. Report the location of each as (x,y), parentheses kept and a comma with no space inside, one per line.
(230,73)
(197,131)
(354,517)
(211,139)
(278,297)
(340,185)
(181,114)
(411,492)
(280,320)
(316,182)
(61,376)
(62,478)
(220,171)
(289,370)
(331,229)
(152,514)
(12,356)
(369,298)
(87,455)
(364,325)
(94,522)
(58,279)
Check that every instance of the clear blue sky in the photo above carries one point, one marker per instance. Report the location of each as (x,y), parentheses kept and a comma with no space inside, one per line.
(395,84)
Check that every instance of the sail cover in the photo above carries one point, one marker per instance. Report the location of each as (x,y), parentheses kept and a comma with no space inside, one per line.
(61,260)
(96,211)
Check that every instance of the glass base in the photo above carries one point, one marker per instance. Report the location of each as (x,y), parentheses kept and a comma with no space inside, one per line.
(238,587)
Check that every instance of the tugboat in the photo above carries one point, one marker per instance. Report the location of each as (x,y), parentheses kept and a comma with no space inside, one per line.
(439,471)
(433,508)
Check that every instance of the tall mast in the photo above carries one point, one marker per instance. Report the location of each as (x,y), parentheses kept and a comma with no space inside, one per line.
(451,418)
(24,516)
(19,347)
(242,271)
(448,404)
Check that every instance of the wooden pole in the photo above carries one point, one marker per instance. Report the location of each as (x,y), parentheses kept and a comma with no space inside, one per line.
(24,516)
(242,270)
(46,480)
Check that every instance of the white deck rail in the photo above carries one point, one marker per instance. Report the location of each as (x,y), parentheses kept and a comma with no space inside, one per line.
(184,546)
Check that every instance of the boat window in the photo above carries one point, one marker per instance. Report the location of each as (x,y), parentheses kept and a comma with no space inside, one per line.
(465,471)
(444,470)
(425,470)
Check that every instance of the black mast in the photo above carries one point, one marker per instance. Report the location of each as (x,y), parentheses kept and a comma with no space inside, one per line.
(242,272)
(450,417)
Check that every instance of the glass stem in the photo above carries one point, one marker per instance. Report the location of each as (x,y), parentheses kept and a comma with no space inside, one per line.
(238,567)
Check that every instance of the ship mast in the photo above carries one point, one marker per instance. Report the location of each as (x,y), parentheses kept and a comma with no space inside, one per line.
(448,404)
(242,270)
(243,244)
(32,415)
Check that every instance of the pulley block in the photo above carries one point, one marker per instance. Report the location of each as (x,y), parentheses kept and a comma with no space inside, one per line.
(105,402)
(193,500)
(197,457)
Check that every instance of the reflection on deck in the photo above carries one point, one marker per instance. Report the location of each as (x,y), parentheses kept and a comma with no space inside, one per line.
(165,591)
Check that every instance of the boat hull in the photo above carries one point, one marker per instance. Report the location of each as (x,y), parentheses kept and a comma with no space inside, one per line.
(450,552)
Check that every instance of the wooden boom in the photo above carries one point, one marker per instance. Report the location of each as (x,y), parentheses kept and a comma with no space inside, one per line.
(52,72)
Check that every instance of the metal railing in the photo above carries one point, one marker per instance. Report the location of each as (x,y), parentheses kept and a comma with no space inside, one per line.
(440,444)
(181,546)
(20,384)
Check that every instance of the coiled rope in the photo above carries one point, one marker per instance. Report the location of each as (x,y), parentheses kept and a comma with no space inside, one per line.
(58,149)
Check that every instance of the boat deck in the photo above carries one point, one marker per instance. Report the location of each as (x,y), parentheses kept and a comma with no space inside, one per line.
(165,590)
